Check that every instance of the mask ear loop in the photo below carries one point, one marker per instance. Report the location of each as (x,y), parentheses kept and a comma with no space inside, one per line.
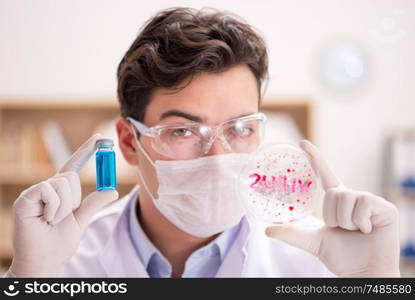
(150,161)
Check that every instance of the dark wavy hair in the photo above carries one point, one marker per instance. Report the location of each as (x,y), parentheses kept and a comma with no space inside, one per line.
(178,43)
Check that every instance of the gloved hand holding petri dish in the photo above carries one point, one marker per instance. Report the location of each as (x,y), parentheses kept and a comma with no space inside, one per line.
(279,185)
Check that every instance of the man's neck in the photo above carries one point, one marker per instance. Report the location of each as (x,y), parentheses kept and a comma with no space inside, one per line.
(175,244)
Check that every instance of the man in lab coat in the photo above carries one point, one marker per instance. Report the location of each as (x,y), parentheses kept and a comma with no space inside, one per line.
(189,89)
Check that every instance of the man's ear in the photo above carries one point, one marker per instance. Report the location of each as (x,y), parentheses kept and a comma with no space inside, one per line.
(126,141)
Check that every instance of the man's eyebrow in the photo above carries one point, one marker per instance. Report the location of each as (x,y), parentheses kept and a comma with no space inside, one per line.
(182,114)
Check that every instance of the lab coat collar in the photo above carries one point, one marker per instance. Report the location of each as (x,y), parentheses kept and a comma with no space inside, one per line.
(146,249)
(119,257)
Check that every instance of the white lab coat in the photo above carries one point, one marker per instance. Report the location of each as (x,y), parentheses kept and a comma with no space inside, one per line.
(106,250)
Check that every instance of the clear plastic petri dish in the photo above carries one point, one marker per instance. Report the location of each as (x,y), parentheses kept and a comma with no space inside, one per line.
(279,185)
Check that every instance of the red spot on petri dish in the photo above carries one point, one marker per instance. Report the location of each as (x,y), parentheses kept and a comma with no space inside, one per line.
(288,170)
(291,207)
(298,200)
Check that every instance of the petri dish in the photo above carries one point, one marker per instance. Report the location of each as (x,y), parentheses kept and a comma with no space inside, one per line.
(279,185)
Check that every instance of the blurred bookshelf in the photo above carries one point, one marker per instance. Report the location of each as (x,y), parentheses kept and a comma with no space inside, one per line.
(25,160)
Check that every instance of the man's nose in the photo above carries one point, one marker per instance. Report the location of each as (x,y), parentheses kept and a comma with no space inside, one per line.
(218,148)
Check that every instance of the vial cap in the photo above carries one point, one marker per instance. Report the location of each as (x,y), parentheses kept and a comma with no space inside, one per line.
(104,143)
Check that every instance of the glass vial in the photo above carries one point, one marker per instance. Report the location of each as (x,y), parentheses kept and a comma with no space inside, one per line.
(105,165)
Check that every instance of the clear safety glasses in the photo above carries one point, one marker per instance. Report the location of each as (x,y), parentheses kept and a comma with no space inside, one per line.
(183,141)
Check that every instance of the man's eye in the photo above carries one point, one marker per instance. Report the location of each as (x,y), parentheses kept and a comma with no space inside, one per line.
(181,132)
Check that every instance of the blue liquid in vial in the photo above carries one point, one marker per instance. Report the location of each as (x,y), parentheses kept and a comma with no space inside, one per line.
(105,170)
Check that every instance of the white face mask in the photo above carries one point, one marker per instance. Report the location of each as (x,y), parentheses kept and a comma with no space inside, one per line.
(199,196)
